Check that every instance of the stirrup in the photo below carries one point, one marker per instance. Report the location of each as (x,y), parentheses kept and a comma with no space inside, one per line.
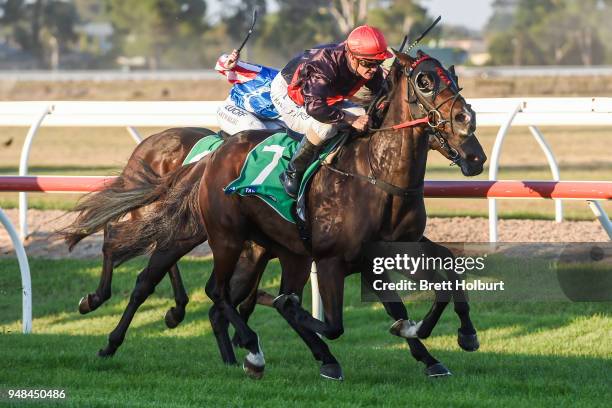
(290,183)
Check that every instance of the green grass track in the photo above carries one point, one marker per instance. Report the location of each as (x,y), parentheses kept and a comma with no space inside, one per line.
(532,354)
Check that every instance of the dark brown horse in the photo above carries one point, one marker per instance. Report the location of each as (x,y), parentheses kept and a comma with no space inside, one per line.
(245,280)
(130,196)
(373,193)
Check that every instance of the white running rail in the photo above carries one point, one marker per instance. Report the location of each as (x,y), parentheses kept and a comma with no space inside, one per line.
(497,112)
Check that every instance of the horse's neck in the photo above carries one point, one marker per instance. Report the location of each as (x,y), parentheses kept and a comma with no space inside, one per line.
(399,156)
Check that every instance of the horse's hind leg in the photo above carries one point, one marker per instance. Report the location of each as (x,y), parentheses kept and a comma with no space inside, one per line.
(92,301)
(219,325)
(146,282)
(226,257)
(296,270)
(245,281)
(175,315)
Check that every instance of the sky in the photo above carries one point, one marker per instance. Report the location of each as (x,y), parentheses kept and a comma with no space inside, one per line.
(473,14)
(470,13)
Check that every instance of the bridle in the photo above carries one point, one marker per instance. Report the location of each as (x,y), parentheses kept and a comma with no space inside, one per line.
(428,113)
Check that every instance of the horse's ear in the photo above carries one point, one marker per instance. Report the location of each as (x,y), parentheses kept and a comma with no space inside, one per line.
(402,57)
(451,69)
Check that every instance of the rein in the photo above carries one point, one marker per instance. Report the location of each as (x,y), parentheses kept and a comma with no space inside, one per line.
(383,185)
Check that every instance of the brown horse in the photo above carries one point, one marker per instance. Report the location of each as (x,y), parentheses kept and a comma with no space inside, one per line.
(373,193)
(129,196)
(245,280)
(128,199)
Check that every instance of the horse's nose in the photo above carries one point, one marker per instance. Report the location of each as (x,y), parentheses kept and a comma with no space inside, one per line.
(472,158)
(462,118)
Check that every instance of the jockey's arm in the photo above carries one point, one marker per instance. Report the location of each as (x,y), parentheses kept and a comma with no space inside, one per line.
(316,92)
(235,70)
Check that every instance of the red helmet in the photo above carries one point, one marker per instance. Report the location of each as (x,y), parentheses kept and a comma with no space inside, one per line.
(368,43)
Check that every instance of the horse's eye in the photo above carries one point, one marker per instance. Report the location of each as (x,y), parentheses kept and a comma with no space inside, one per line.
(425,82)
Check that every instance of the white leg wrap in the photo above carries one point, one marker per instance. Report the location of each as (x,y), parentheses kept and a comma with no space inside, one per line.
(407,329)
(257,359)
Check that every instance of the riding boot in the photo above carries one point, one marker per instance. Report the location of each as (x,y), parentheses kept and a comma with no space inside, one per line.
(305,154)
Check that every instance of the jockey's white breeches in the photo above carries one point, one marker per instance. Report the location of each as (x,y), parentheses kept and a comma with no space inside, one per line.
(296,118)
(233,119)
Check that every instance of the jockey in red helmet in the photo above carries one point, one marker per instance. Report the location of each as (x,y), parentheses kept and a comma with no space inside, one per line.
(311,93)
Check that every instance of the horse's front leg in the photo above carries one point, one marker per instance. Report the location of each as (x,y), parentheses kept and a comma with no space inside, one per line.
(404,327)
(146,282)
(175,315)
(466,335)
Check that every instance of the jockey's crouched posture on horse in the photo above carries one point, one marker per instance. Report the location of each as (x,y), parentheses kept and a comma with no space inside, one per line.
(310,93)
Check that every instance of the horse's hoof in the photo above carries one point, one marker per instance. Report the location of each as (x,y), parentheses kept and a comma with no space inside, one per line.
(280,302)
(437,370)
(84,306)
(171,320)
(107,352)
(468,342)
(407,329)
(253,371)
(231,362)
(331,372)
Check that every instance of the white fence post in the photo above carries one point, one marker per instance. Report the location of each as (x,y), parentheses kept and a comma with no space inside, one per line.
(317,303)
(601,215)
(554,167)
(24,267)
(134,133)
(494,167)
(23,171)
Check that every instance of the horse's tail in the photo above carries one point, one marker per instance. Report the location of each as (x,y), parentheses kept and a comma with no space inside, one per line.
(127,193)
(176,217)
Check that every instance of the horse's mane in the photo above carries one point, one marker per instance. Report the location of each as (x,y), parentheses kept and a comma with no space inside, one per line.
(390,84)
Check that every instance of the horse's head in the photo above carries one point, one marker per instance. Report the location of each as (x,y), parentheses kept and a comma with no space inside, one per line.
(433,93)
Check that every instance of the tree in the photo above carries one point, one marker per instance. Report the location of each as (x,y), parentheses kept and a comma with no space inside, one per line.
(397,18)
(296,25)
(41,27)
(239,16)
(552,32)
(348,13)
(161,30)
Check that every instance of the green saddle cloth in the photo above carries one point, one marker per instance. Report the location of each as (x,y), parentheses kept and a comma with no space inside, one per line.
(202,148)
(263,166)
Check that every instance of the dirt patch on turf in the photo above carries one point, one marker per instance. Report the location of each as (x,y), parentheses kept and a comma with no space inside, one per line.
(43,244)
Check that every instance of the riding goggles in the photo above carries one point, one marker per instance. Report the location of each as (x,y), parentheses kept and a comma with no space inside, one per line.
(370,63)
